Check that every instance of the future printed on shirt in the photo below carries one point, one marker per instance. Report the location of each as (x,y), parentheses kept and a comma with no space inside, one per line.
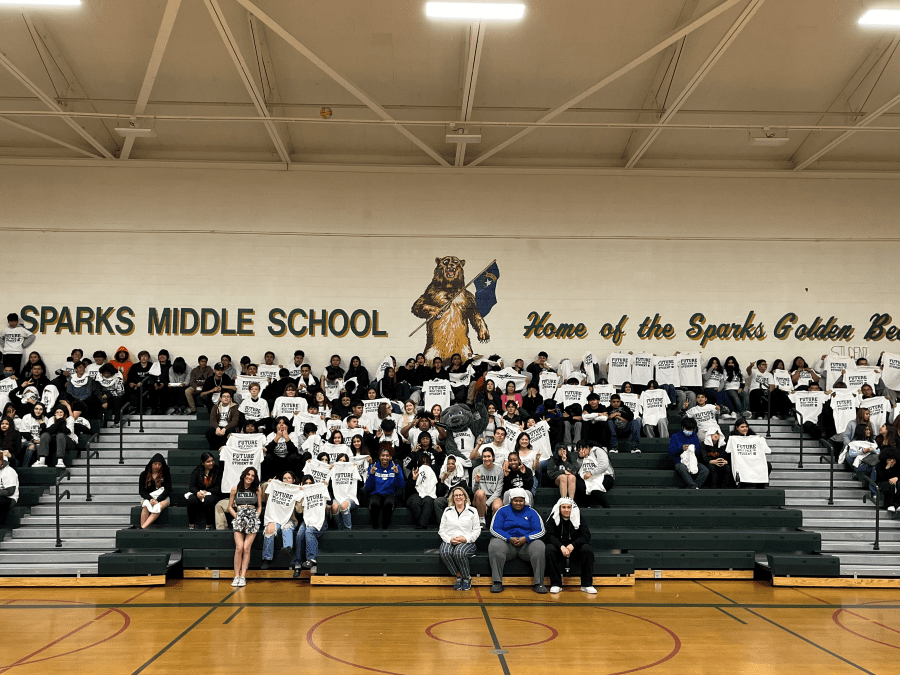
(809,404)
(666,370)
(653,405)
(748,458)
(618,368)
(280,504)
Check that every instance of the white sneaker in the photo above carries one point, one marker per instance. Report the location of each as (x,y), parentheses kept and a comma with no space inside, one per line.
(633,450)
(242,581)
(590,590)
(60,464)
(236,581)
(613,449)
(40,462)
(555,589)
(892,509)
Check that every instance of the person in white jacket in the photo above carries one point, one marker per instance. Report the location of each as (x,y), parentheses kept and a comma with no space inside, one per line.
(459,530)
(9,489)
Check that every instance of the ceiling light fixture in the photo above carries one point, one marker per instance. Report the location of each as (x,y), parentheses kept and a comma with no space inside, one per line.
(881,17)
(135,132)
(768,138)
(42,3)
(476,11)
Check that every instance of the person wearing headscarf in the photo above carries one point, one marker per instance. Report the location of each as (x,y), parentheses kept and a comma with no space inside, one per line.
(568,541)
(517,530)
(154,486)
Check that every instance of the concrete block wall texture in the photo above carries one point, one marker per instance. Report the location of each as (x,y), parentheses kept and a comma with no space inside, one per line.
(585,249)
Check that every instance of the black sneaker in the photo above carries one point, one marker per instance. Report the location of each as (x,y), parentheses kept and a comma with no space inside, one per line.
(306,565)
(497,587)
(288,551)
(297,571)
(540,588)
(265,565)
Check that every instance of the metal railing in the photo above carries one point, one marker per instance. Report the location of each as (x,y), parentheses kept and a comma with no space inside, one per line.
(141,401)
(876,500)
(769,414)
(59,479)
(831,461)
(127,408)
(797,416)
(89,455)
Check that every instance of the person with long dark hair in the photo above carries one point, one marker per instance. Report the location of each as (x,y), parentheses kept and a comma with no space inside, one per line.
(245,504)
(10,442)
(734,388)
(205,488)
(154,486)
(179,379)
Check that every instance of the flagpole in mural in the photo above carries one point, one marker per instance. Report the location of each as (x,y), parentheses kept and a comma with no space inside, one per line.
(486,285)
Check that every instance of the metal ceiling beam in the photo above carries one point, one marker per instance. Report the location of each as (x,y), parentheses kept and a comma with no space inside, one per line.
(61,75)
(655,102)
(670,39)
(344,82)
(50,103)
(215,11)
(473,61)
(865,121)
(49,138)
(156,57)
(730,36)
(854,94)
(267,79)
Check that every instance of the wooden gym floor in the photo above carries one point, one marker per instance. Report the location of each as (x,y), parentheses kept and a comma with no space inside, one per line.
(672,626)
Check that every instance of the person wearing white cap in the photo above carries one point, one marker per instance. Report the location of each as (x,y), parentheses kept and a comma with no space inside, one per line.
(568,540)
(517,530)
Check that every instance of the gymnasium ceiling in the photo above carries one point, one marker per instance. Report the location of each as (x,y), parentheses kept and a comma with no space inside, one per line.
(613,84)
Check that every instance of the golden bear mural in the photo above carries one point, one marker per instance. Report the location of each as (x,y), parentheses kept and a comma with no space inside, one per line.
(448,327)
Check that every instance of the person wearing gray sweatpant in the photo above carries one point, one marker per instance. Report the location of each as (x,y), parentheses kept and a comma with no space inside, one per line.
(517,530)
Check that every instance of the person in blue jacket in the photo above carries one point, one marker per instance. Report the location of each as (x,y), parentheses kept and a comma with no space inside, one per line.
(385,485)
(693,476)
(517,530)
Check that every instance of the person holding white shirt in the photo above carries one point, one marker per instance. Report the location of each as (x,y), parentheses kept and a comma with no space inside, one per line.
(423,482)
(345,480)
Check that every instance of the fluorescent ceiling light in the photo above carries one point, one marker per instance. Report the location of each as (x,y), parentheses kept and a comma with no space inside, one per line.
(768,138)
(481,11)
(881,17)
(135,132)
(39,3)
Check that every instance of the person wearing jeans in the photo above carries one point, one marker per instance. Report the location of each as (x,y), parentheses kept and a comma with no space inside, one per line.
(681,442)
(622,423)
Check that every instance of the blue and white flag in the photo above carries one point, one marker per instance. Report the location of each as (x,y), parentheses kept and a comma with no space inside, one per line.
(485,285)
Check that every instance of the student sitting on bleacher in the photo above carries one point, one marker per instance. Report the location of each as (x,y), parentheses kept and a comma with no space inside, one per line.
(888,472)
(385,485)
(717,460)
(9,487)
(517,530)
(223,420)
(306,543)
(204,491)
(10,442)
(595,478)
(59,436)
(154,486)
(686,454)
(459,530)
(568,538)
(748,451)
(280,498)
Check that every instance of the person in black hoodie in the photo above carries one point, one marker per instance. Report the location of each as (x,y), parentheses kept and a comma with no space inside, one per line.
(38,380)
(160,396)
(154,486)
(358,370)
(10,442)
(205,487)
(136,374)
(568,539)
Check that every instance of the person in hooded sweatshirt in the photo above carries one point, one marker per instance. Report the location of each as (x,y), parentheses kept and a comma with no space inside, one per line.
(179,380)
(160,396)
(122,362)
(154,486)
(9,488)
(517,531)
(568,539)
(686,453)
(136,374)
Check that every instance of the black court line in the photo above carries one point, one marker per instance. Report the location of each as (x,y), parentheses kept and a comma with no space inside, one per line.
(497,648)
(228,620)
(183,633)
(731,615)
(716,592)
(796,635)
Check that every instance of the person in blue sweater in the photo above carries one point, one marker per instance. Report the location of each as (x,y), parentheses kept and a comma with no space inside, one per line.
(691,471)
(517,530)
(385,485)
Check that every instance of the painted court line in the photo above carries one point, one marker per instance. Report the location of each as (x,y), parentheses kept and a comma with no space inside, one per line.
(238,611)
(498,649)
(731,615)
(183,633)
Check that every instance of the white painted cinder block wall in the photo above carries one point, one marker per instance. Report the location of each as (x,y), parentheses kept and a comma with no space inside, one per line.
(587,249)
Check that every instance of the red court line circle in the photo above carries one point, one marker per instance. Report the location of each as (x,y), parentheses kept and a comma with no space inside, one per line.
(667,657)
(836,618)
(122,629)
(311,643)
(553,633)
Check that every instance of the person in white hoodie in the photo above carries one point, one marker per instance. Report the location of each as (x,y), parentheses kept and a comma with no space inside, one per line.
(9,488)
(424,485)
(459,530)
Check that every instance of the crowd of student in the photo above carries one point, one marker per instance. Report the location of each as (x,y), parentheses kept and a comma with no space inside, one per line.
(312,448)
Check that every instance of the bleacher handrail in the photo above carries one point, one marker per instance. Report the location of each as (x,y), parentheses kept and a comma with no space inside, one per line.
(799,418)
(141,401)
(65,475)
(830,459)
(876,501)
(89,455)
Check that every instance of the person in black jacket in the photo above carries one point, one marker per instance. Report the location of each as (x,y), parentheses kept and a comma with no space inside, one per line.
(154,486)
(568,539)
(517,475)
(136,374)
(281,452)
(205,487)
(622,424)
(888,477)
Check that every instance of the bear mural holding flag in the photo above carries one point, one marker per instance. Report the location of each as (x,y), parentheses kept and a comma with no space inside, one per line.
(448,308)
